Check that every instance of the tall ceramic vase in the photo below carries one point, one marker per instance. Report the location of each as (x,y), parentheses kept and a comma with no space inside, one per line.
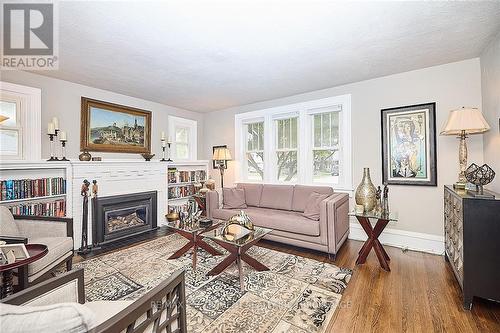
(366,192)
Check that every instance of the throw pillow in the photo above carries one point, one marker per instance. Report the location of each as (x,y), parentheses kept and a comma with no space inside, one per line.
(234,198)
(312,209)
(55,318)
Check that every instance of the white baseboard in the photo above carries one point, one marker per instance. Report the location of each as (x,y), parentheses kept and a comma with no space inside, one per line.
(415,241)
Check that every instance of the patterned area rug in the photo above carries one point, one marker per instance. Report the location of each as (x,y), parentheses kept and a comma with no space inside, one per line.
(296,295)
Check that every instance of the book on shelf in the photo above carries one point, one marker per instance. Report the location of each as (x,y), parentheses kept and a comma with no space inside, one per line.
(14,189)
(176,176)
(56,208)
(180,191)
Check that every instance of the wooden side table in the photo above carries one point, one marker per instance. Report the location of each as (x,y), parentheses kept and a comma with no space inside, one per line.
(36,251)
(373,234)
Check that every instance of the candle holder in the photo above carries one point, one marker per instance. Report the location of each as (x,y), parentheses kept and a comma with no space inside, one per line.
(168,145)
(52,156)
(63,150)
(163,151)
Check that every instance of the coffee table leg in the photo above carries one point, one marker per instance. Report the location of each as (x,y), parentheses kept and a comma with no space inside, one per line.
(240,273)
(182,250)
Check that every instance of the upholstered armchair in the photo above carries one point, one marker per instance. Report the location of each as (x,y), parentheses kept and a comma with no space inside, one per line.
(58,305)
(56,233)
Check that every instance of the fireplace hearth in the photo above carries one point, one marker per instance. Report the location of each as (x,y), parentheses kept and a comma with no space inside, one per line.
(123,216)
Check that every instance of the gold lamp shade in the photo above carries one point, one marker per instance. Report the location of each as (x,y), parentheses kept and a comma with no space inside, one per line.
(470,120)
(222,154)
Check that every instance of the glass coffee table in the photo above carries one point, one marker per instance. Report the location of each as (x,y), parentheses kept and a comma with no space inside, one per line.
(373,234)
(192,232)
(237,249)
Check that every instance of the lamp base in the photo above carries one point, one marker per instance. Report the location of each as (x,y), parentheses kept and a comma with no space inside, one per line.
(480,195)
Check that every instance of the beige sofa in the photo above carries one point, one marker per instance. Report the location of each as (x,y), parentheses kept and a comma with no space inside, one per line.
(280,207)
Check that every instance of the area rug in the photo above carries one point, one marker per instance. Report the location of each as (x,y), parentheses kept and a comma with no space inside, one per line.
(296,295)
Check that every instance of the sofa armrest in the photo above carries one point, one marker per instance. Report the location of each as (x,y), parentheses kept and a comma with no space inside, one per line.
(41,226)
(162,307)
(64,288)
(334,214)
(14,239)
(212,199)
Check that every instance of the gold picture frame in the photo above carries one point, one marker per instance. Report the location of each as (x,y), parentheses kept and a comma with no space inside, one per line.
(114,128)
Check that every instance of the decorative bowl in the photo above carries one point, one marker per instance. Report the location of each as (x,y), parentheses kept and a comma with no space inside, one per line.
(171,217)
(147,156)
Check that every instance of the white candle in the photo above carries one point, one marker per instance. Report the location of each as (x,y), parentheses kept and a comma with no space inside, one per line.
(62,136)
(163,144)
(163,135)
(55,121)
(50,129)
(169,139)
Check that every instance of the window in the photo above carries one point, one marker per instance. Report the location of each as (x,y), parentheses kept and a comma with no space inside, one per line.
(20,122)
(286,149)
(302,143)
(326,147)
(183,137)
(254,151)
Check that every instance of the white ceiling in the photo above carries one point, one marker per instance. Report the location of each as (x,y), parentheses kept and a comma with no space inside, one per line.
(209,55)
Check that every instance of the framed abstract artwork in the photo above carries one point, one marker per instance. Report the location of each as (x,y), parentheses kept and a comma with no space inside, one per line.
(109,127)
(409,145)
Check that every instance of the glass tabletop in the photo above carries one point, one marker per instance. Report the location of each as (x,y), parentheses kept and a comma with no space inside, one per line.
(218,234)
(192,227)
(391,216)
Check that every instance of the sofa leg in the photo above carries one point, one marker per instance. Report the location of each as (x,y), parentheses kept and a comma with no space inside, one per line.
(23,277)
(332,256)
(69,264)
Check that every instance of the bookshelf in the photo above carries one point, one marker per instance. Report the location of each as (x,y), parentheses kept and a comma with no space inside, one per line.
(36,188)
(181,180)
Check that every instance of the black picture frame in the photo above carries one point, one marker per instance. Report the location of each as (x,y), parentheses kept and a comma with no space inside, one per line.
(215,164)
(400,169)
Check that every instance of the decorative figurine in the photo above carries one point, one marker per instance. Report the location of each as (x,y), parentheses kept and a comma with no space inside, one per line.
(480,176)
(385,201)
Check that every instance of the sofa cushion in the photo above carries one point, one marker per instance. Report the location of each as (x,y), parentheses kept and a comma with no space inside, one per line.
(8,226)
(313,205)
(54,318)
(57,246)
(276,196)
(253,193)
(275,219)
(301,194)
(234,198)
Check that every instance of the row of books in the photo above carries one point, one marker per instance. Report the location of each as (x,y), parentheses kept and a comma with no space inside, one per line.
(178,208)
(31,188)
(175,176)
(180,191)
(55,208)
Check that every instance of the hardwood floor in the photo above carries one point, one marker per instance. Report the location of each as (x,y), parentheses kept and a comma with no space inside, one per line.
(420,294)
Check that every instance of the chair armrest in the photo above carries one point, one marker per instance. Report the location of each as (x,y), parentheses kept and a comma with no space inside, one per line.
(42,226)
(67,287)
(165,303)
(212,199)
(14,239)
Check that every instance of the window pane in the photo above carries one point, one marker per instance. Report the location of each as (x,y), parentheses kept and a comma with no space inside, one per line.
(255,165)
(287,166)
(255,136)
(261,135)
(8,109)
(9,142)
(182,150)
(317,130)
(326,129)
(326,125)
(326,166)
(181,134)
(286,133)
(294,133)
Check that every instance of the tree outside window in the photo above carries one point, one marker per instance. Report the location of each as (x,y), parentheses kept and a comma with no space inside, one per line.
(255,151)
(326,157)
(286,149)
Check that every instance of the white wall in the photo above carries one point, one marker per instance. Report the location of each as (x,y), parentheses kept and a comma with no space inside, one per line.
(450,86)
(490,85)
(63,99)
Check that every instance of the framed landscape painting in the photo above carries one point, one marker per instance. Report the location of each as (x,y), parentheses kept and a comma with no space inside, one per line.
(108,127)
(409,145)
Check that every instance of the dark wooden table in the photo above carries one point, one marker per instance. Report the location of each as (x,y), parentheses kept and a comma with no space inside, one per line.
(36,251)
(237,249)
(373,234)
(192,232)
(201,200)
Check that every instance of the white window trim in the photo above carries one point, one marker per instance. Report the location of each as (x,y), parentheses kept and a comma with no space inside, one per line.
(173,122)
(31,119)
(304,111)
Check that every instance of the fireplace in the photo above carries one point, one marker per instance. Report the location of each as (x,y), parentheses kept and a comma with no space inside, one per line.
(122,216)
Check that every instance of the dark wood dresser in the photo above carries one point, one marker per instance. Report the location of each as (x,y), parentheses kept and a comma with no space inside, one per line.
(472,243)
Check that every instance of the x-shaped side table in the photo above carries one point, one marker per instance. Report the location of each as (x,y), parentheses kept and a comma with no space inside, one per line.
(372,241)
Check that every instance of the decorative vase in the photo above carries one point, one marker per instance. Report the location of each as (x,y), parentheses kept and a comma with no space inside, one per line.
(366,192)
(85,156)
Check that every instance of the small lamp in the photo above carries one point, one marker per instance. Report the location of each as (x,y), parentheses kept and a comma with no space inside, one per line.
(462,122)
(221,156)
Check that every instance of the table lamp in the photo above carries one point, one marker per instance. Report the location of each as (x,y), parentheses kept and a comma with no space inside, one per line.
(221,156)
(463,122)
